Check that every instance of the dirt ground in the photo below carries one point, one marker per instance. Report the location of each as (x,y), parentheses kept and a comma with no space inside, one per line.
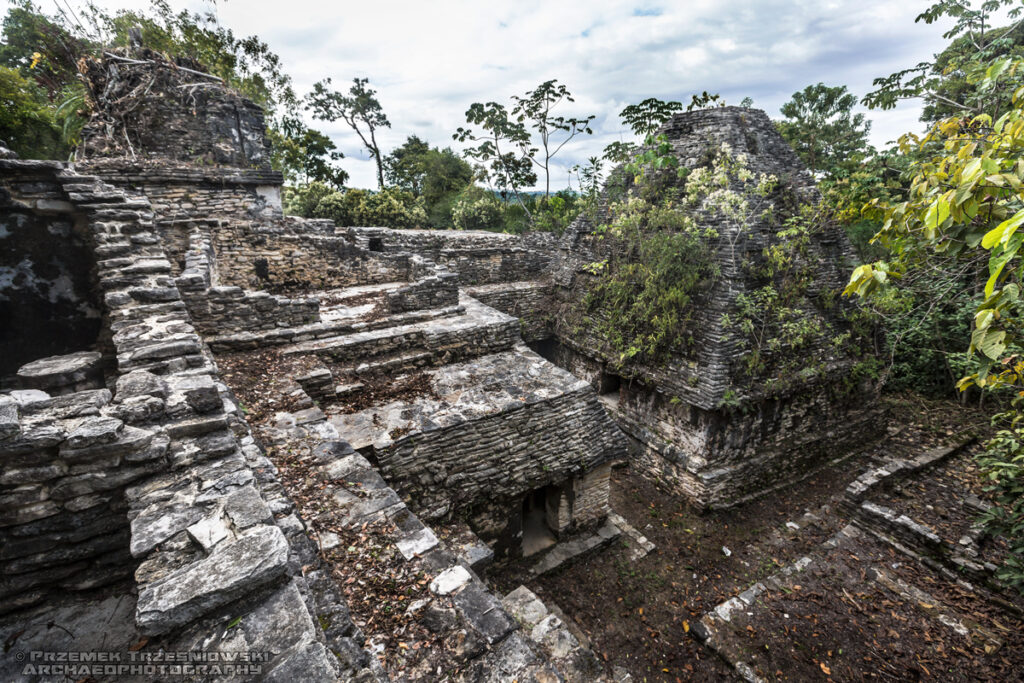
(638,613)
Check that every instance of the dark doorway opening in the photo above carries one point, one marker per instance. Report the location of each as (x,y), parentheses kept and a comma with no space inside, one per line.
(537,533)
(376,244)
(545,348)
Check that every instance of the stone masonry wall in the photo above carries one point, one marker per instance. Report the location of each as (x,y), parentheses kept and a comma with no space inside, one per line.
(476,257)
(531,302)
(223,310)
(720,458)
(152,478)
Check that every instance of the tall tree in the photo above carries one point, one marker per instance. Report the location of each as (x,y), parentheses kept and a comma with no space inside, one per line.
(821,126)
(360,109)
(305,155)
(647,116)
(502,142)
(536,107)
(436,175)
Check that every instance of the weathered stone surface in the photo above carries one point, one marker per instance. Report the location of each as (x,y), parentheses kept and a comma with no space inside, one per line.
(9,426)
(59,372)
(159,522)
(210,530)
(307,661)
(139,383)
(28,475)
(483,611)
(95,430)
(199,392)
(231,571)
(245,508)
(450,580)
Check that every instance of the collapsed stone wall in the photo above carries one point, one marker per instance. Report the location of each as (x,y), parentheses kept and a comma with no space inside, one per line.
(149,480)
(147,105)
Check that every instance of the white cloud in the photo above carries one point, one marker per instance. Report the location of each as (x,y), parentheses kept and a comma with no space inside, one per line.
(430,60)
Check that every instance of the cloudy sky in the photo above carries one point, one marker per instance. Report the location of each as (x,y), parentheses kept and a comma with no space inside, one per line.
(430,59)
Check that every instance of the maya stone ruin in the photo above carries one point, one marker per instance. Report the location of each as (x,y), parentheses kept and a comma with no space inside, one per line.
(427,392)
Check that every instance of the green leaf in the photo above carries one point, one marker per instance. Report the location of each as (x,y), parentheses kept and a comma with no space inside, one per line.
(993,344)
(937,214)
(1002,232)
(999,260)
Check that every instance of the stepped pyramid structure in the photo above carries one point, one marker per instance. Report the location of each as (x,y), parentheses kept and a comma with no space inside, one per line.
(706,422)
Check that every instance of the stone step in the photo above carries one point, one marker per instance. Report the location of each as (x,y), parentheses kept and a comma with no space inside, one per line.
(482,330)
(325,329)
(401,362)
(559,639)
(575,548)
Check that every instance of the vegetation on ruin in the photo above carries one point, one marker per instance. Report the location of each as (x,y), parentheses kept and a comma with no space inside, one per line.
(663,254)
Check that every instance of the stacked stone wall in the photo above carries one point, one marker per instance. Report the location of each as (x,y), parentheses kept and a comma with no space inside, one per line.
(723,457)
(224,310)
(150,478)
(476,257)
(532,302)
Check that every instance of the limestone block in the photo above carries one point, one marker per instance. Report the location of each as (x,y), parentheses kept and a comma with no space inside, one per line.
(93,431)
(58,373)
(200,392)
(139,383)
(233,570)
(210,530)
(450,580)
(525,606)
(246,508)
(28,475)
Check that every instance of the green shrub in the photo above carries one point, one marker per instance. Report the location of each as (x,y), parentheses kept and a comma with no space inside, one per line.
(303,200)
(27,122)
(477,209)
(390,208)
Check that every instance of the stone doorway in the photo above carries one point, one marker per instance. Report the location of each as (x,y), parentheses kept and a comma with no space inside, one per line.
(538,532)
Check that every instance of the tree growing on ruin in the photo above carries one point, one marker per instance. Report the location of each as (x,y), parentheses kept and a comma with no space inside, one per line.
(647,116)
(305,155)
(536,108)
(359,108)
